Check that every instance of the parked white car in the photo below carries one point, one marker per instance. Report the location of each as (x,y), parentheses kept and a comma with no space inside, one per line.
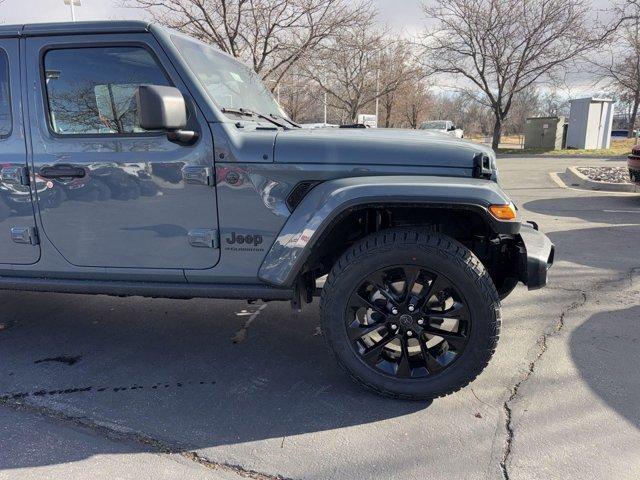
(444,126)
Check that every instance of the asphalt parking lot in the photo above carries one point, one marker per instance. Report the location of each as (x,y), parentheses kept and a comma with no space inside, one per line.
(99,387)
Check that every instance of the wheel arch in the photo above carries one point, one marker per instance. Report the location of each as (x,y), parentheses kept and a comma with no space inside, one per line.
(331,206)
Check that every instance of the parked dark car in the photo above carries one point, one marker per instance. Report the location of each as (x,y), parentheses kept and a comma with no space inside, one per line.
(138,161)
(622,133)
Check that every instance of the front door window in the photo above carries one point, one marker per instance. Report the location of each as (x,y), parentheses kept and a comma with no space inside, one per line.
(91,90)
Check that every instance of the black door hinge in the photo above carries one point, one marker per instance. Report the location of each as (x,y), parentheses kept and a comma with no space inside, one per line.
(15,175)
(204,237)
(25,235)
(198,175)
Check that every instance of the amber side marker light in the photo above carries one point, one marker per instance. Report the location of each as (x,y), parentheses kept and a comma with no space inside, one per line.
(503,212)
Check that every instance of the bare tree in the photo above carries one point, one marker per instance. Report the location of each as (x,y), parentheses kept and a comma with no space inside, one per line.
(527,103)
(301,98)
(499,48)
(358,66)
(408,106)
(415,104)
(270,35)
(399,66)
(623,70)
(620,61)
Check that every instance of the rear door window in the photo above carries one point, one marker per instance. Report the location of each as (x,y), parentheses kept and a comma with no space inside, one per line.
(91,91)
(5,102)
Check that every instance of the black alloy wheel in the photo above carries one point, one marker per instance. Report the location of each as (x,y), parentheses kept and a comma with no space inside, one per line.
(407,322)
(410,314)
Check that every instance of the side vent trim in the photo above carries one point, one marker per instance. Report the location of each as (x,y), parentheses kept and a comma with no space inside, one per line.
(299,192)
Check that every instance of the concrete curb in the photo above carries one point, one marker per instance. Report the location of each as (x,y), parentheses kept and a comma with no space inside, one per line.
(549,156)
(585,182)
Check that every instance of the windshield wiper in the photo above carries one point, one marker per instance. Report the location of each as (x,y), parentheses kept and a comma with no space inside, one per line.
(290,122)
(251,113)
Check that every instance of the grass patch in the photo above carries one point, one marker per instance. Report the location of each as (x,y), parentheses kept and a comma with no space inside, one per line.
(619,148)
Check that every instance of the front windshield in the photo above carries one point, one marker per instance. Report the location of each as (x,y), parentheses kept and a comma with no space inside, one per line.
(434,126)
(229,83)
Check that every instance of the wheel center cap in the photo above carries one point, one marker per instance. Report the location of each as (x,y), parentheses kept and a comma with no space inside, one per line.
(406,320)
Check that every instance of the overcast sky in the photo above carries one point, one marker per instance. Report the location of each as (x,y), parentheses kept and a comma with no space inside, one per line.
(405,17)
(396,13)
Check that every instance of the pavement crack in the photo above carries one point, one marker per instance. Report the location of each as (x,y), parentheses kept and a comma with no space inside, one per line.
(238,470)
(554,329)
(121,434)
(557,326)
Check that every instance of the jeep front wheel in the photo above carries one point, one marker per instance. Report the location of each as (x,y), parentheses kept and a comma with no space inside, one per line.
(410,314)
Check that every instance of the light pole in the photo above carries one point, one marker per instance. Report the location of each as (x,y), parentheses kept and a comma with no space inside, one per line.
(72,4)
(325,108)
(378,87)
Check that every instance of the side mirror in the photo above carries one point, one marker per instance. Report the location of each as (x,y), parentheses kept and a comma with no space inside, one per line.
(163,108)
(452,128)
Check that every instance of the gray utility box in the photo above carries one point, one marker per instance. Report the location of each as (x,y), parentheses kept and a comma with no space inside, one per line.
(544,132)
(590,123)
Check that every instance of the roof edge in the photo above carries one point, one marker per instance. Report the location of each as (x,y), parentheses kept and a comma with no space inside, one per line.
(73,28)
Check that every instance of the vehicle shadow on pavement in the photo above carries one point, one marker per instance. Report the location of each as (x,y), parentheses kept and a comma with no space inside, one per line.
(606,246)
(170,370)
(606,352)
(613,209)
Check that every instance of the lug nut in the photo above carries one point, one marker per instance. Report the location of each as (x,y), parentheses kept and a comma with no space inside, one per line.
(394,326)
(421,322)
(394,310)
(409,333)
(411,308)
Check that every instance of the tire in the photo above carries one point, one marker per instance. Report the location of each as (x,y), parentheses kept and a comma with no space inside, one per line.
(435,257)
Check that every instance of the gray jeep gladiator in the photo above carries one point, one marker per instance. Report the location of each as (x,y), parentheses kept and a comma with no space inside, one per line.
(138,161)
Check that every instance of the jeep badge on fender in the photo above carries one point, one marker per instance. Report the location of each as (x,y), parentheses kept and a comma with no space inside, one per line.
(247,239)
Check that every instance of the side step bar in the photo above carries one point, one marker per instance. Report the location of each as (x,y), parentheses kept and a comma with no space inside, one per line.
(146,289)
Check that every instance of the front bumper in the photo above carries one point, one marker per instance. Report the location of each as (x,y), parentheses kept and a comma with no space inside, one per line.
(536,256)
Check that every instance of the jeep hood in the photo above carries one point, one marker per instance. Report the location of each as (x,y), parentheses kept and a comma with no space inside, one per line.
(376,147)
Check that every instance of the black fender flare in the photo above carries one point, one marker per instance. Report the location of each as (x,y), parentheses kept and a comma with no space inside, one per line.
(327,201)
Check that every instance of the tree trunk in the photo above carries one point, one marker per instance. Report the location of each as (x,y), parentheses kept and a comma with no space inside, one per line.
(497,133)
(634,114)
(353,113)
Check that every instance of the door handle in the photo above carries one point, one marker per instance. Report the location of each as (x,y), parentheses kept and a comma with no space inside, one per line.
(62,171)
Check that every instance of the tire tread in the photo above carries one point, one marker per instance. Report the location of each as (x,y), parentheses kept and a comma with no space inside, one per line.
(451,250)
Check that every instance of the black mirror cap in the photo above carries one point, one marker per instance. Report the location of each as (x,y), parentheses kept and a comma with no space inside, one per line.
(161,108)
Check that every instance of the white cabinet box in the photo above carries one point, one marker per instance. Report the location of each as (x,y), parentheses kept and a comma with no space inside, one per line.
(590,123)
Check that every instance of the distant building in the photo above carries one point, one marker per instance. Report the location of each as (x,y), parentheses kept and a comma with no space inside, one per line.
(544,132)
(590,123)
